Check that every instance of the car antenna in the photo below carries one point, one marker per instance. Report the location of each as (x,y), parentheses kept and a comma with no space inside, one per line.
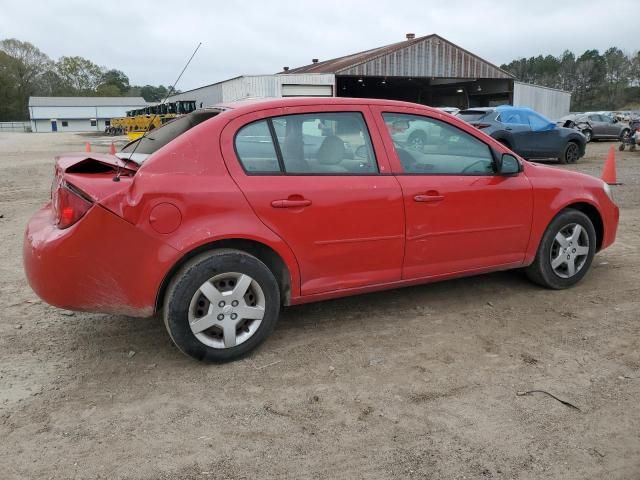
(116,178)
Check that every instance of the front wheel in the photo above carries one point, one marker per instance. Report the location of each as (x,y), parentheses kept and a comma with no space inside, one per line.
(588,135)
(624,134)
(221,305)
(565,252)
(571,153)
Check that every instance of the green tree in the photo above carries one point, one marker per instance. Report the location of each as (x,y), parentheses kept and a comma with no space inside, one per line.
(567,70)
(27,64)
(618,70)
(154,94)
(114,78)
(80,75)
(9,105)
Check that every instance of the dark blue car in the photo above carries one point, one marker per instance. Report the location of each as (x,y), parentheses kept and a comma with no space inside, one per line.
(527,132)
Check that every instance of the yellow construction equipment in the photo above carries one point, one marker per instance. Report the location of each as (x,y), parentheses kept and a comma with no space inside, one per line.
(141,120)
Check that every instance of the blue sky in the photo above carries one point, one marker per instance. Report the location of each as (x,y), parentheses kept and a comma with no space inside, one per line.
(151,40)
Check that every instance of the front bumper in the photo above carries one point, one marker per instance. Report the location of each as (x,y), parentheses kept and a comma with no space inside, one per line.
(610,219)
(100,264)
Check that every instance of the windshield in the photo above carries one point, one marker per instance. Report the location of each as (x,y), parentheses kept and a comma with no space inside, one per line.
(156,139)
(472,115)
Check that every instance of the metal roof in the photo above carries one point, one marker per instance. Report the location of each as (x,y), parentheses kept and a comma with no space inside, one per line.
(87,102)
(428,56)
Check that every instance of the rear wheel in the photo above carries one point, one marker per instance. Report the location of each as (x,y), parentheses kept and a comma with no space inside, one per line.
(221,305)
(565,252)
(571,153)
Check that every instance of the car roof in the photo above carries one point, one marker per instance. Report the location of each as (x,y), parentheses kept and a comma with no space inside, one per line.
(252,104)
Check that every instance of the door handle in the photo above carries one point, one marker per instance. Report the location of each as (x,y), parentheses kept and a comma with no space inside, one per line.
(428,198)
(290,203)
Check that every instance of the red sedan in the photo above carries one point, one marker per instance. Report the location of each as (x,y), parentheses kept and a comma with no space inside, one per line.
(221,217)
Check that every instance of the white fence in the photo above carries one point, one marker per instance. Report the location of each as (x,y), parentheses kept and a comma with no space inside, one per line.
(15,126)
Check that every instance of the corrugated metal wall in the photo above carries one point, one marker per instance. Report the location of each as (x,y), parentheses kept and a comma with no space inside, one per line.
(548,101)
(250,86)
(433,57)
(204,96)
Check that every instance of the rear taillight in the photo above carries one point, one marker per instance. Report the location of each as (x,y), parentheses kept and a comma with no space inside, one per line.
(69,205)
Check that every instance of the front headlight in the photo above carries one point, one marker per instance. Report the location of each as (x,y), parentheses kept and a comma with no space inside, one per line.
(608,191)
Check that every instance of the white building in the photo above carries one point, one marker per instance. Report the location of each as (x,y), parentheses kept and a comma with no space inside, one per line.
(250,86)
(78,114)
(428,70)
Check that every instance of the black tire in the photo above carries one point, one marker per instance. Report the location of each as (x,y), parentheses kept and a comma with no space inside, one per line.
(624,134)
(541,270)
(588,135)
(570,154)
(621,147)
(187,282)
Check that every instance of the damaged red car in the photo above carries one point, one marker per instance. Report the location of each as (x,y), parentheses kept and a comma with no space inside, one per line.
(221,217)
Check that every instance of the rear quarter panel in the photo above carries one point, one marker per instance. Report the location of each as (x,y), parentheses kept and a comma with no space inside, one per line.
(189,173)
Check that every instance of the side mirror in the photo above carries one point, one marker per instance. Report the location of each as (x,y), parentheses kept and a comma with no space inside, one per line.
(507,165)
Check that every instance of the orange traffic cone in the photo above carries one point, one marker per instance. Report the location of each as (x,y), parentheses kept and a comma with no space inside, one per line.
(87,147)
(112,149)
(609,171)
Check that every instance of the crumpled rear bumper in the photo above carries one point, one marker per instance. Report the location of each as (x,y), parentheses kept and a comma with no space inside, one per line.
(100,264)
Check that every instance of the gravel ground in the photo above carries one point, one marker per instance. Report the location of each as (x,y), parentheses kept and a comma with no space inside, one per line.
(419,382)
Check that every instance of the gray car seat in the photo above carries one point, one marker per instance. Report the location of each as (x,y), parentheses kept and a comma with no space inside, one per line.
(330,154)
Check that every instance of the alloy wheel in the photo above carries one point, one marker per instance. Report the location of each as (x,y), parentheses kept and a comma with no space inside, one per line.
(573,153)
(569,250)
(227,310)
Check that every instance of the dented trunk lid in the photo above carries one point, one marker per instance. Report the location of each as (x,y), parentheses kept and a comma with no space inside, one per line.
(94,173)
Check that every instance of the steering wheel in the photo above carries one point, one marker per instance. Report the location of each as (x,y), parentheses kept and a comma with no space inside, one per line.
(468,167)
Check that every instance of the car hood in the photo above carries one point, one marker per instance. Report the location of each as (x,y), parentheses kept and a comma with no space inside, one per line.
(561,176)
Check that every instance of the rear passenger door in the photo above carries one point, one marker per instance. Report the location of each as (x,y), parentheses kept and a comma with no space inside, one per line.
(321,182)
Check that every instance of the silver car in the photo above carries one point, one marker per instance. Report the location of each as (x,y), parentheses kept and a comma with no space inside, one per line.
(597,126)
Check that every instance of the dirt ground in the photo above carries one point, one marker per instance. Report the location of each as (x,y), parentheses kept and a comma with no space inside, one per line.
(419,382)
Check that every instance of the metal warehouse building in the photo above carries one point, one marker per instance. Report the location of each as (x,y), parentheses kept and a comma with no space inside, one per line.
(428,70)
(78,114)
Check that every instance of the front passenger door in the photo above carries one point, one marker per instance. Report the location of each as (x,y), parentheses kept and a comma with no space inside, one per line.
(460,215)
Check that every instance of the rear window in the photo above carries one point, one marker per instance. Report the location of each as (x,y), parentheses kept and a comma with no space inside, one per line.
(157,138)
(472,115)
(336,143)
